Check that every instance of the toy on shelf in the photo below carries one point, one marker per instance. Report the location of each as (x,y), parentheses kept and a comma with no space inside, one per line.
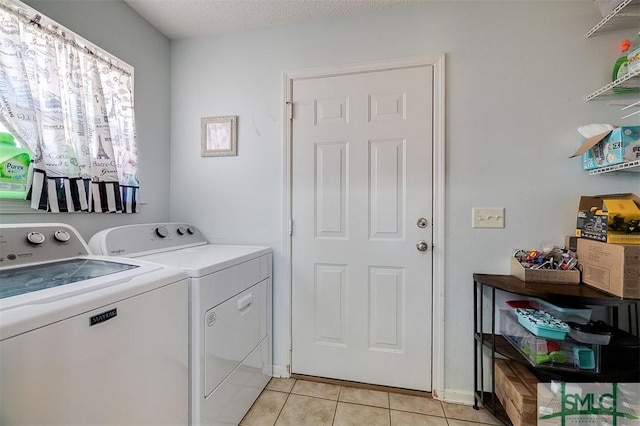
(549,257)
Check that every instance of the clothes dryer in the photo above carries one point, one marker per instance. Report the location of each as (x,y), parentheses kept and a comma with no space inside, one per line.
(230,312)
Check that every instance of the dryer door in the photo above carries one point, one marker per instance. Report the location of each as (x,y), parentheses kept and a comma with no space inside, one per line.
(232,330)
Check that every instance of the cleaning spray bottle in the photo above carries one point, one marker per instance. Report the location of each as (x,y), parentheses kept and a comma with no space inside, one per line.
(14,168)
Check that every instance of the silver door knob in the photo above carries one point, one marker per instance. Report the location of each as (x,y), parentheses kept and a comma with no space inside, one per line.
(422,246)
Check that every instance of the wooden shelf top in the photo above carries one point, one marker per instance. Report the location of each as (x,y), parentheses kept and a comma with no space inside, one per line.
(579,293)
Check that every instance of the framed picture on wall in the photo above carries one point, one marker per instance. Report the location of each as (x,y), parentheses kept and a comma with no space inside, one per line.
(219,136)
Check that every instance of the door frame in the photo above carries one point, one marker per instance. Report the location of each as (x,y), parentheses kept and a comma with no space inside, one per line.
(438,220)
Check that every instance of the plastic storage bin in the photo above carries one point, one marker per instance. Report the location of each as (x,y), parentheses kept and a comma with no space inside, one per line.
(540,351)
(594,332)
(542,324)
(584,358)
(575,313)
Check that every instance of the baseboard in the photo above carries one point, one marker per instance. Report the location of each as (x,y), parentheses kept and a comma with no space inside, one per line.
(281,371)
(458,396)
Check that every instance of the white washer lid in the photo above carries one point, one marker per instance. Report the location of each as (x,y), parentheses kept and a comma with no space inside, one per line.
(206,259)
(28,311)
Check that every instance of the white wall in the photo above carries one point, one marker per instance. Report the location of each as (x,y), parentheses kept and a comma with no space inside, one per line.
(517,75)
(116,28)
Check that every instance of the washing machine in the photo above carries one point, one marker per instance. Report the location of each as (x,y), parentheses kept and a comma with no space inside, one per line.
(230,312)
(89,340)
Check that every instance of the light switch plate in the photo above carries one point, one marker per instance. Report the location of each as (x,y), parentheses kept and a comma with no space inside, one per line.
(488,217)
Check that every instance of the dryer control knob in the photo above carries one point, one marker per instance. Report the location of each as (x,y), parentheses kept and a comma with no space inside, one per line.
(181,230)
(61,236)
(191,230)
(162,232)
(35,238)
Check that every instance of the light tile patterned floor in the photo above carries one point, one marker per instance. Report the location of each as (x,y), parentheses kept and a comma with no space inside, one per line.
(291,402)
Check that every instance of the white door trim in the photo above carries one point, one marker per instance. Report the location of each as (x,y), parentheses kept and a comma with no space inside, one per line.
(438,221)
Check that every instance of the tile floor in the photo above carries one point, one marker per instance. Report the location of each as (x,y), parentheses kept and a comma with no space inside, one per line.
(291,402)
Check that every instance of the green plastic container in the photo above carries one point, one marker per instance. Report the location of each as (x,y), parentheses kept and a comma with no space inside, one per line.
(14,168)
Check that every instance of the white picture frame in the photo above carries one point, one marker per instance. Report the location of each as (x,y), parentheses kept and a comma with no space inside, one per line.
(219,136)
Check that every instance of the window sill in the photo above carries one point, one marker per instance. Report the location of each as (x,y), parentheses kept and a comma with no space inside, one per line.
(11,206)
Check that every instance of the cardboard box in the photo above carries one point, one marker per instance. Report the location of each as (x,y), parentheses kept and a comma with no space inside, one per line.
(616,146)
(611,218)
(516,391)
(544,275)
(613,268)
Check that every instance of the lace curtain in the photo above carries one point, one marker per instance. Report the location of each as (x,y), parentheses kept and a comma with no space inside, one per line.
(72,106)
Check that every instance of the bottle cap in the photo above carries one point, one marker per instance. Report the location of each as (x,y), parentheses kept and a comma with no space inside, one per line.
(625,45)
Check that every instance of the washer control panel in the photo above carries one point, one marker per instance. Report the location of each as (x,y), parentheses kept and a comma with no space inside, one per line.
(145,238)
(26,243)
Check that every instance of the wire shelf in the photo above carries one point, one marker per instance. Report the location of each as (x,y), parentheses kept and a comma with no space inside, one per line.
(618,82)
(625,15)
(631,166)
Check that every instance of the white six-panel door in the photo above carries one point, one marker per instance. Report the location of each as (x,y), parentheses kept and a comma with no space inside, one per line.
(361,182)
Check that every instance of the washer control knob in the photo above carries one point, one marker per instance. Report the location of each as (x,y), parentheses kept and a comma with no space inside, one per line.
(61,236)
(191,230)
(162,232)
(181,230)
(35,238)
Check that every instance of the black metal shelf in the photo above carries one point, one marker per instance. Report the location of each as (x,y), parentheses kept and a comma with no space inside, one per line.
(609,373)
(500,347)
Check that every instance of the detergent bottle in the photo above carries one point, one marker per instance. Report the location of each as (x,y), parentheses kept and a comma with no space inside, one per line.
(621,68)
(14,168)
(633,59)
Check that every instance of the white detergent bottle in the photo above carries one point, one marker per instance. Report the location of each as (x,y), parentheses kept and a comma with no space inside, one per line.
(14,168)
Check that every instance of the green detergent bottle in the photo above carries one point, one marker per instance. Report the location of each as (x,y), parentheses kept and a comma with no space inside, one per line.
(620,69)
(14,168)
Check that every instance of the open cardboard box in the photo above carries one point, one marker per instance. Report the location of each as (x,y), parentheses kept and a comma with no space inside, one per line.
(620,145)
(611,218)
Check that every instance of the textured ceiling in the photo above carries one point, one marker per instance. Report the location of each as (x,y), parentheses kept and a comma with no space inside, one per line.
(191,18)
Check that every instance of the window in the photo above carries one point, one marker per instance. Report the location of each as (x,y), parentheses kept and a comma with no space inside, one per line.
(72,105)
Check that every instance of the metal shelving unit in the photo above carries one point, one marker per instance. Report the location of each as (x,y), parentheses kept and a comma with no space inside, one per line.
(486,339)
(625,15)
